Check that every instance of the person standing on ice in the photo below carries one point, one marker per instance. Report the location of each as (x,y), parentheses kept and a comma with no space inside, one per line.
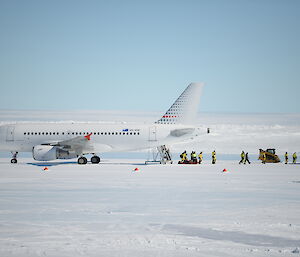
(246,159)
(214,157)
(286,156)
(294,158)
(194,157)
(242,158)
(200,156)
(183,157)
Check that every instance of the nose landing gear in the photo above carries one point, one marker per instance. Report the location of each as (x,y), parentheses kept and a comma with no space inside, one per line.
(14,157)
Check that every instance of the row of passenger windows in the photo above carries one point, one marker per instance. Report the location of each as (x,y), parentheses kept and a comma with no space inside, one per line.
(81,133)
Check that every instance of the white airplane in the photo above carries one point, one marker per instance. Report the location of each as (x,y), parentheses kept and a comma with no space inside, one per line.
(51,141)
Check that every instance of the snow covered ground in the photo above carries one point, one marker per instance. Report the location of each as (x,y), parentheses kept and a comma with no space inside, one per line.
(160,210)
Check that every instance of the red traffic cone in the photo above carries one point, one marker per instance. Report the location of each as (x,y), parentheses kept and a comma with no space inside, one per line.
(225,170)
(136,169)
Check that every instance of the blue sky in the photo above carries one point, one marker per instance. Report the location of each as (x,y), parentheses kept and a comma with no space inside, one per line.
(140,55)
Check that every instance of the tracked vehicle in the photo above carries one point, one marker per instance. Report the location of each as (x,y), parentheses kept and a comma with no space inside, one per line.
(271,156)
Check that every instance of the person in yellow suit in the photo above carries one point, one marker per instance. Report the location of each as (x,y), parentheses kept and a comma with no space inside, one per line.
(286,156)
(200,157)
(194,157)
(214,157)
(294,158)
(242,158)
(183,156)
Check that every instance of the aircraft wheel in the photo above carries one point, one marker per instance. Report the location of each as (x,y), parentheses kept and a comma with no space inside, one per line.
(95,159)
(82,160)
(13,160)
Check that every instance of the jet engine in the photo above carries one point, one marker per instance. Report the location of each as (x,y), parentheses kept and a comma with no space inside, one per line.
(48,153)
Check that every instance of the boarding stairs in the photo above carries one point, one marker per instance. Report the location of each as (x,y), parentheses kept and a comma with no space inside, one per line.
(162,155)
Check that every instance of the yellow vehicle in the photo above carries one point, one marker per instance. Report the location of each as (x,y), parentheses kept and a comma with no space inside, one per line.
(271,156)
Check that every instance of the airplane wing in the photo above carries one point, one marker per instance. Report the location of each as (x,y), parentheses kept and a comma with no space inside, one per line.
(78,144)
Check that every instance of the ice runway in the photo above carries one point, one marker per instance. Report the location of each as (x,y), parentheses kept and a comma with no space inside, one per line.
(161,210)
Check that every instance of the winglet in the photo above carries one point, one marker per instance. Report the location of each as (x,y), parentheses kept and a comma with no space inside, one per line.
(88,137)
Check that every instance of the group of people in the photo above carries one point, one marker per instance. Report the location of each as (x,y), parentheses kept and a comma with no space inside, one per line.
(286,156)
(184,158)
(244,157)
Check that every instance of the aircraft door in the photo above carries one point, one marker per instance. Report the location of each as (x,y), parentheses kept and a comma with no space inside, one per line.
(10,133)
(152,133)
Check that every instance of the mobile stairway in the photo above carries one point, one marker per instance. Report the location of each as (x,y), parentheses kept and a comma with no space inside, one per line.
(162,155)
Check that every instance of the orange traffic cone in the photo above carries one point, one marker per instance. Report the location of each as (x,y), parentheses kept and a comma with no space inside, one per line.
(46,168)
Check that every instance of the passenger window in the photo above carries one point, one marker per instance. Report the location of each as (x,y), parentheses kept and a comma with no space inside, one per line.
(113,133)
(63,133)
(130,133)
(46,133)
(35,133)
(73,133)
(101,133)
(43,133)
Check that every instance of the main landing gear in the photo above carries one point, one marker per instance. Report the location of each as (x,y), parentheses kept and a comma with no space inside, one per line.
(82,160)
(14,157)
(95,159)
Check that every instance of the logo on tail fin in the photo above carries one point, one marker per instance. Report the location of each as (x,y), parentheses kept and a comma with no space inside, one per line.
(184,109)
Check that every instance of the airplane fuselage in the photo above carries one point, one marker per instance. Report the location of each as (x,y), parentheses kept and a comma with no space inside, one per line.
(22,137)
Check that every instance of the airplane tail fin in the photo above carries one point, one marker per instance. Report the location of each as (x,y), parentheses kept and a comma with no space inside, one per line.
(184,109)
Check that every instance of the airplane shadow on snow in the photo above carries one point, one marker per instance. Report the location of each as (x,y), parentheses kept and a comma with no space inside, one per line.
(50,164)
